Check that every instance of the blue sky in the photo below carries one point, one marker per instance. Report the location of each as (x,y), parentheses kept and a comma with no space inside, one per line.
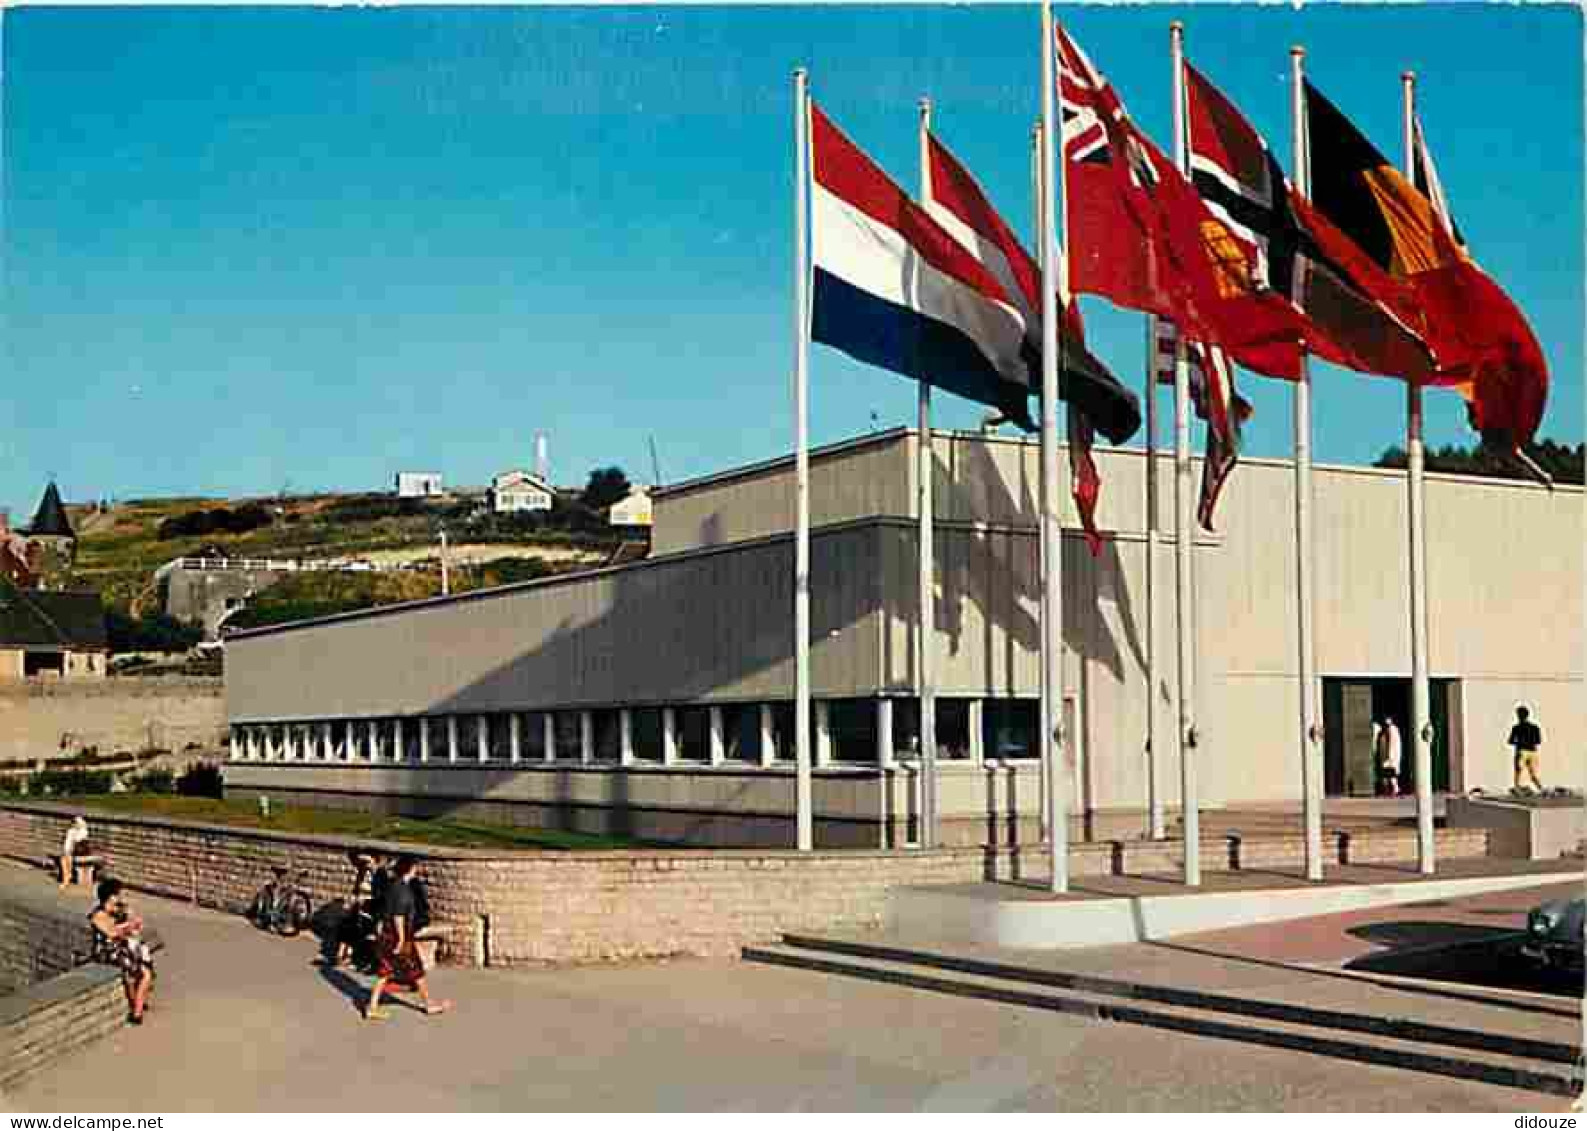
(255,249)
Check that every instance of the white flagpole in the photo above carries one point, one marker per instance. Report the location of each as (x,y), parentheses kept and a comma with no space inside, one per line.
(1310,758)
(803,785)
(1184,517)
(1040,190)
(1421,730)
(1051,530)
(1157,829)
(926,637)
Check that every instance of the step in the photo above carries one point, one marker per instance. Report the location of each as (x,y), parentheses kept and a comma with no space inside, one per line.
(1503,1069)
(1402,1028)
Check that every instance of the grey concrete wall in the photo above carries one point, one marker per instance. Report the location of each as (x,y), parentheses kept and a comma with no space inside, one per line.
(200,596)
(705,627)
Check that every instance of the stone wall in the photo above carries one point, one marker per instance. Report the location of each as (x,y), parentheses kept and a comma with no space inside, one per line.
(52,719)
(530,907)
(40,1024)
(50,1002)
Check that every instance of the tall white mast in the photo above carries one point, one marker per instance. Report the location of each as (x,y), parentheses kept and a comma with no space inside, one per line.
(1421,730)
(1052,493)
(803,790)
(926,636)
(1310,755)
(1184,518)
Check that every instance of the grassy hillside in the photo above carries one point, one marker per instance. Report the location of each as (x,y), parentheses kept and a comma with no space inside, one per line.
(119,549)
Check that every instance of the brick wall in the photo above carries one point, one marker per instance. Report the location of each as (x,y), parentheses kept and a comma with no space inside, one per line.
(39,1024)
(529,907)
(120,713)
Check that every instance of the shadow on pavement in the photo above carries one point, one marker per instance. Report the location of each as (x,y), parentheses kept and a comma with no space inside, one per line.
(1495,962)
(345,984)
(1413,933)
(1355,972)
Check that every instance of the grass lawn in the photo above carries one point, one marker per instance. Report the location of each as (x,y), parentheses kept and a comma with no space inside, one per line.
(439,832)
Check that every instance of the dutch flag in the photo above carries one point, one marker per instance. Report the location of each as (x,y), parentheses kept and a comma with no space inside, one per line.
(893,289)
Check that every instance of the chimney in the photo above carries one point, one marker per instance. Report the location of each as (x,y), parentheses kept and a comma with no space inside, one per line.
(542,460)
(5,520)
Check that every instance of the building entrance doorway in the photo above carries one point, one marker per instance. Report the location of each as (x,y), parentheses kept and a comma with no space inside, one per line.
(1351,706)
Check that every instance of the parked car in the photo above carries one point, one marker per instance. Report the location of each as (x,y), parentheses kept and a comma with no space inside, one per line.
(1554,934)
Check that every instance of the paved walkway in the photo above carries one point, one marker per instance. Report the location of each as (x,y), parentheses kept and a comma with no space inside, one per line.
(246,1022)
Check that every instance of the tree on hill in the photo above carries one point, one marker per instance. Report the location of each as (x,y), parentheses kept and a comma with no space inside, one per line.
(1561,461)
(607,485)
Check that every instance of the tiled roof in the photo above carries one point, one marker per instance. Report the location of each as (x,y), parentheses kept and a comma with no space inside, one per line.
(38,618)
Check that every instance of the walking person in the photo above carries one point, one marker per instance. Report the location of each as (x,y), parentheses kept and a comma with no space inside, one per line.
(397,957)
(118,941)
(1526,738)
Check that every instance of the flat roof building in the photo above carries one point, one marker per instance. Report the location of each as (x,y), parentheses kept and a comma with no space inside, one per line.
(655,699)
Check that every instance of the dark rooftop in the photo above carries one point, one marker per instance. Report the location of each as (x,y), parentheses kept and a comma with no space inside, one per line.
(37,618)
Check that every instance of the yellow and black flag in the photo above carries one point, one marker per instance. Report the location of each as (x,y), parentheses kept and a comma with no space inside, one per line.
(1483,345)
(1363,194)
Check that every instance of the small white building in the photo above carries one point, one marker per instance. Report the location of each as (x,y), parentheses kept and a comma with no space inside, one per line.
(519,491)
(419,484)
(632,511)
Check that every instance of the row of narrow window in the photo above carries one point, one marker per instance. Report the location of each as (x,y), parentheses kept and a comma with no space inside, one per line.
(1008,730)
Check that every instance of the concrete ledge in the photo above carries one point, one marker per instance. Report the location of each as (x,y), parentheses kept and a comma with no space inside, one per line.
(1520,830)
(984,914)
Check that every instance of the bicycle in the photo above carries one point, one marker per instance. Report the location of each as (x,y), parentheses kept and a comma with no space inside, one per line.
(282,905)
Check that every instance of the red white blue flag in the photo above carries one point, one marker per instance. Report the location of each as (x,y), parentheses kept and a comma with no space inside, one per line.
(893,289)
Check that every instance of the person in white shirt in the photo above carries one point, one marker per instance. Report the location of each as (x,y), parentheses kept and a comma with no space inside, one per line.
(76,844)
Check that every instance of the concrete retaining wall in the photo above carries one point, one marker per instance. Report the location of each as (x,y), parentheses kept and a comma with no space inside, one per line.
(1521,831)
(57,718)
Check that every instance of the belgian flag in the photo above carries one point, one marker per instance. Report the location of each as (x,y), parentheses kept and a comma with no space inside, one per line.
(1483,345)
(1366,197)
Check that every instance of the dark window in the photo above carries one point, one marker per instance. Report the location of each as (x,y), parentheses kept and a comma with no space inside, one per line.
(741,731)
(1009,728)
(851,723)
(608,724)
(43,663)
(532,736)
(693,733)
(569,741)
(782,730)
(647,733)
(498,737)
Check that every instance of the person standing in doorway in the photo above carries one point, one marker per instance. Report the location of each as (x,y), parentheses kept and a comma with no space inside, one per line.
(1526,738)
(1386,757)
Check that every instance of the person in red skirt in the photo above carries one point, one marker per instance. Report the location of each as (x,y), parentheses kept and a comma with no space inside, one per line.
(398,965)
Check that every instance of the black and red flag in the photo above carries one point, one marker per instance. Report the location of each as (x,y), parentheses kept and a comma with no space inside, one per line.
(1350,312)
(1482,343)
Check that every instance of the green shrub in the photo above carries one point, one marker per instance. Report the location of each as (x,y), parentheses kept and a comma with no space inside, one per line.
(153,632)
(154,781)
(201,779)
(70,781)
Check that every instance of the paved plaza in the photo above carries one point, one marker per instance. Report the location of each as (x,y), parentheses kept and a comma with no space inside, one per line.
(245,1021)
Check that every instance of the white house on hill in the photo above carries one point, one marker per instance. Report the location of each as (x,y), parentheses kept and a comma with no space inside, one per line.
(519,491)
(418,484)
(632,511)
